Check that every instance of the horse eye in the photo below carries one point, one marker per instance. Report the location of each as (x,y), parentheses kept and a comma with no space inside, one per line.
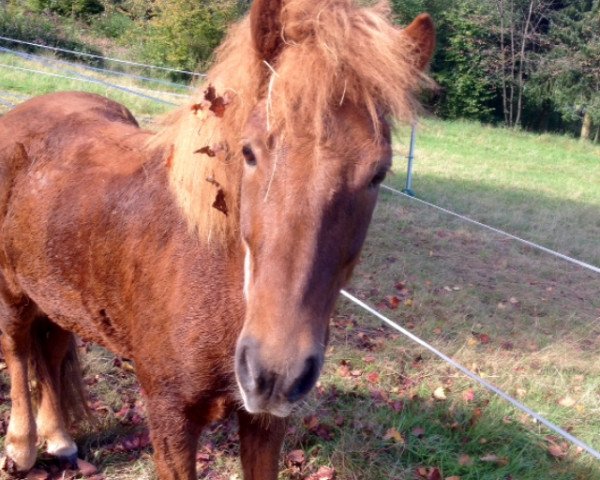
(378,178)
(249,156)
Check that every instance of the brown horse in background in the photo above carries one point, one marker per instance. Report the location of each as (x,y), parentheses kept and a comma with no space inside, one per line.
(212,252)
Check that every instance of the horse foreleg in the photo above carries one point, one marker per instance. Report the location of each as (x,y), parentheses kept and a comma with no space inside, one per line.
(174,438)
(53,345)
(261,437)
(21,434)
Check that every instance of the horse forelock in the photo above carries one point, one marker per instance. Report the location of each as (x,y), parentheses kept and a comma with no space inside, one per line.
(334,52)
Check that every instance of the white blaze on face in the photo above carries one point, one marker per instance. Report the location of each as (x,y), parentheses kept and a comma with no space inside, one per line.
(247,270)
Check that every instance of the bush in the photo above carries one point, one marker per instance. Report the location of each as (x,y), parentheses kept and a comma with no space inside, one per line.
(112,25)
(75,8)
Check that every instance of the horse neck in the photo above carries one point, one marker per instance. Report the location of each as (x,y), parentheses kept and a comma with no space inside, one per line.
(204,175)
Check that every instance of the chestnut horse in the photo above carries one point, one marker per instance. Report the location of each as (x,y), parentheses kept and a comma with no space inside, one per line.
(212,252)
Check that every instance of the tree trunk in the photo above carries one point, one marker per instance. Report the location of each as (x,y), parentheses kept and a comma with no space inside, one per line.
(522,63)
(511,98)
(503,62)
(586,127)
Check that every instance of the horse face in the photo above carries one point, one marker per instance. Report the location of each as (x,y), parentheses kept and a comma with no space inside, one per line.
(309,187)
(305,209)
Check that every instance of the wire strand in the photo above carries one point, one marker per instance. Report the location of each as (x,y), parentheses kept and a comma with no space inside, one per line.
(100,57)
(104,70)
(492,388)
(529,243)
(85,78)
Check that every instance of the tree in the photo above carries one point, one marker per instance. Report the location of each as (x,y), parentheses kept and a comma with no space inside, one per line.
(520,28)
(569,73)
(75,8)
(184,33)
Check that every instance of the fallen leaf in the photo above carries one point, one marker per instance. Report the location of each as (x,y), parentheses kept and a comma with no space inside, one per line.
(323,473)
(468,395)
(557,451)
(86,468)
(202,457)
(220,204)
(392,302)
(373,377)
(296,457)
(483,338)
(491,458)
(434,474)
(206,151)
(428,473)
(439,393)
(37,474)
(395,435)
(343,371)
(567,402)
(311,422)
(465,460)
(453,477)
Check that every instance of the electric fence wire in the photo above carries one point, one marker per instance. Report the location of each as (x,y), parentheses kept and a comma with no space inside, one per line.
(112,72)
(6,103)
(100,57)
(529,243)
(76,76)
(487,385)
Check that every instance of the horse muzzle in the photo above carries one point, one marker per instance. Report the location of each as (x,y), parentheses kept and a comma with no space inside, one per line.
(274,389)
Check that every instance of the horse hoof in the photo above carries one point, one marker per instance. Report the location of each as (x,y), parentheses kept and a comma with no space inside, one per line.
(65,451)
(69,461)
(18,460)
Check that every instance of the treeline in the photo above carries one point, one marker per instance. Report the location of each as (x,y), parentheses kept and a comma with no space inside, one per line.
(525,63)
(531,64)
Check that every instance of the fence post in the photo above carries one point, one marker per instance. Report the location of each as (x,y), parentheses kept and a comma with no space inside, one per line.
(411,156)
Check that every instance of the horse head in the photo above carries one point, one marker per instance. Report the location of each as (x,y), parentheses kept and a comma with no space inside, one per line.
(316,147)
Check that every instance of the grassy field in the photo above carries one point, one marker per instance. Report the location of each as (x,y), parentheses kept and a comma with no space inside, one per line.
(385,408)
(16,85)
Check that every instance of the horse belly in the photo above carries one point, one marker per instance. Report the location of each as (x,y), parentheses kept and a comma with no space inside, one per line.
(51,256)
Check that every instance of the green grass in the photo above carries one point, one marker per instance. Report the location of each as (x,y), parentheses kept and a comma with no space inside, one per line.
(18,85)
(526,321)
(543,187)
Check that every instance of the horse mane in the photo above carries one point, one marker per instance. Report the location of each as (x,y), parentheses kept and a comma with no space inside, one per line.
(333,51)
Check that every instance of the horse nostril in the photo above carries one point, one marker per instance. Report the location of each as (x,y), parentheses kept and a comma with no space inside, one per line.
(306,380)
(243,368)
(254,379)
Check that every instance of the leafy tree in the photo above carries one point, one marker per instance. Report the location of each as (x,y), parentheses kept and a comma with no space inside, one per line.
(75,8)
(569,73)
(184,33)
(461,67)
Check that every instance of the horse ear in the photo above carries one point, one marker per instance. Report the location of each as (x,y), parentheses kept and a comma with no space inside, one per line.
(265,23)
(422,34)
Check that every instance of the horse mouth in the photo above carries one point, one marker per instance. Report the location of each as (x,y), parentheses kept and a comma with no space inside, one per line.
(281,409)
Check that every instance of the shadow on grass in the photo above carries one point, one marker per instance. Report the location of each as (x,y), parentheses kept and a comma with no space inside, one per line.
(569,226)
